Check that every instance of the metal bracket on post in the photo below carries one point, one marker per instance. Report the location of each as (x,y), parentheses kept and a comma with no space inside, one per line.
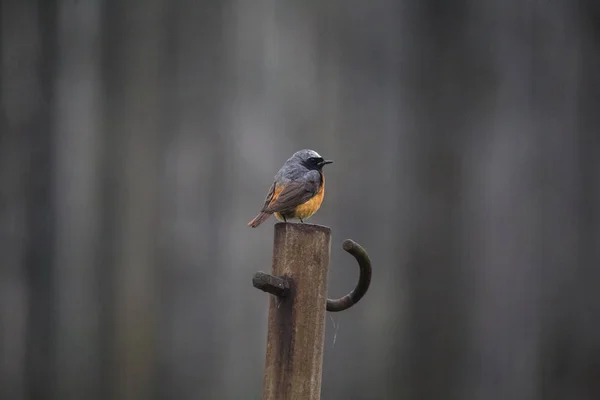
(364,280)
(280,286)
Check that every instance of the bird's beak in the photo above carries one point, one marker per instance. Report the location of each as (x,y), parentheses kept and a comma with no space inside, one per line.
(325,162)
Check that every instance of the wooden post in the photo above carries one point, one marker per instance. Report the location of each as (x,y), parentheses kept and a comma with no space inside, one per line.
(297,320)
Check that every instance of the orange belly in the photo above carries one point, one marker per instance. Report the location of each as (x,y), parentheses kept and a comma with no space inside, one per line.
(306,210)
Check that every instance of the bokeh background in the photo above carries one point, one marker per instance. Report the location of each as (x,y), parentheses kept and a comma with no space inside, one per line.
(139,137)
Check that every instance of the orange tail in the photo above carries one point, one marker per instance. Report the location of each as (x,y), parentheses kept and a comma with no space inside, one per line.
(259,219)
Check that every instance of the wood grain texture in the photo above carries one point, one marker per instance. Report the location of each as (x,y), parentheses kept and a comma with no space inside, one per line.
(297,322)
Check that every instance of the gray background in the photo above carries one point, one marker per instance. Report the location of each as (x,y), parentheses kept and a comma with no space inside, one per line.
(139,137)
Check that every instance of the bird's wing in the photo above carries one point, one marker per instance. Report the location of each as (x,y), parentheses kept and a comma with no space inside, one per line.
(294,193)
(269,196)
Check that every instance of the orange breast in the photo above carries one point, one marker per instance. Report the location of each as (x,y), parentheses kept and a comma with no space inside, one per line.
(306,210)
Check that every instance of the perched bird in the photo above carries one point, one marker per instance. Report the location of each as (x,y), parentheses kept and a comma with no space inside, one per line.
(298,190)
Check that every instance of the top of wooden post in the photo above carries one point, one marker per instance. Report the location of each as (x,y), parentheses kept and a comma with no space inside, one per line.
(302,227)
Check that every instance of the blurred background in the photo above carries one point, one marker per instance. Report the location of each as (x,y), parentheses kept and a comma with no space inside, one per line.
(139,137)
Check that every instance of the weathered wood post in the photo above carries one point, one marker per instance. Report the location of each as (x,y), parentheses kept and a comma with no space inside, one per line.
(297,310)
(301,257)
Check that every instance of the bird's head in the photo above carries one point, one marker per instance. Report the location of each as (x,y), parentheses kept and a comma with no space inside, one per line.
(310,159)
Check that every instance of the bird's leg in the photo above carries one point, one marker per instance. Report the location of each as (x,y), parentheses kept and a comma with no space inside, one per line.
(284,218)
(301,220)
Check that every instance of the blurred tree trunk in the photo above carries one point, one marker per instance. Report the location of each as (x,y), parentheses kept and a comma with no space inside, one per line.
(19,49)
(194,203)
(571,350)
(31,116)
(437,87)
(135,55)
(77,194)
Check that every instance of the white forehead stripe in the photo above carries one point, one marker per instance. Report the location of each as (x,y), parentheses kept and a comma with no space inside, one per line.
(314,154)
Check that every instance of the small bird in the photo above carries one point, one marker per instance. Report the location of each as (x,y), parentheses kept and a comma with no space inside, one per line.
(298,190)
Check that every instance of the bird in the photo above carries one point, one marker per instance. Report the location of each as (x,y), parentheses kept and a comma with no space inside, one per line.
(297,191)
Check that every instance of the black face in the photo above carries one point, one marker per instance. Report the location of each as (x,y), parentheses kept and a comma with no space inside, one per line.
(316,163)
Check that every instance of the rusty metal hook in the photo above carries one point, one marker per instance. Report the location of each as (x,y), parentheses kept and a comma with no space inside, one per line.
(364,280)
(280,287)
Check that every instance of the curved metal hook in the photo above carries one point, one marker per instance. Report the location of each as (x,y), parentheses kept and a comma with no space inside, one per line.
(364,263)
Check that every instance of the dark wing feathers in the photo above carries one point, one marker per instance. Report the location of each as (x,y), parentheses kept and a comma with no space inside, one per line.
(295,193)
(269,197)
